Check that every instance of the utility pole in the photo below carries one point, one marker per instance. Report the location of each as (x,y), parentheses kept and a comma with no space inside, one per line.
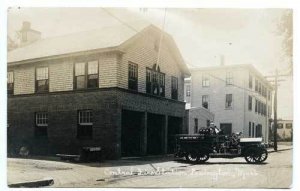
(276,80)
(275,112)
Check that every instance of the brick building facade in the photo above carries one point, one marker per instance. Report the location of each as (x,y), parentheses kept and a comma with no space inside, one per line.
(97,88)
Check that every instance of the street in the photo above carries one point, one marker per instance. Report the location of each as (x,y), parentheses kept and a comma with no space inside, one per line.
(276,172)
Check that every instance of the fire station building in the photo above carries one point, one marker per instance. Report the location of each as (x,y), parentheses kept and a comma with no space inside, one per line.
(96,88)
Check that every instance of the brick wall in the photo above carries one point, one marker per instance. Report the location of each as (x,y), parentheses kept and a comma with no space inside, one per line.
(62,108)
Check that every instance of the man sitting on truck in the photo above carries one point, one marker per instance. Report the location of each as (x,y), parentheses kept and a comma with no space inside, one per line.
(213,129)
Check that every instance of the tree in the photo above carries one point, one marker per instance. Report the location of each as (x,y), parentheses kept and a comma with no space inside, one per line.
(285,28)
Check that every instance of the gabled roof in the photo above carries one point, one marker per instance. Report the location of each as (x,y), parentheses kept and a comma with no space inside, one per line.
(84,41)
(108,38)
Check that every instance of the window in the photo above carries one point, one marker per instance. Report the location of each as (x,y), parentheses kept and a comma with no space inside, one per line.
(258,132)
(229,78)
(250,103)
(93,75)
(256,105)
(188,91)
(42,81)
(196,125)
(205,81)
(132,76)
(174,87)
(205,101)
(41,123)
(253,130)
(250,129)
(10,82)
(250,81)
(269,95)
(86,75)
(264,91)
(259,87)
(228,103)
(289,126)
(155,81)
(256,85)
(279,126)
(85,124)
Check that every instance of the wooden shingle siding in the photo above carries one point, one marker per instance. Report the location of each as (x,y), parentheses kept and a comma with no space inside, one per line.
(108,70)
(142,52)
(61,76)
(24,79)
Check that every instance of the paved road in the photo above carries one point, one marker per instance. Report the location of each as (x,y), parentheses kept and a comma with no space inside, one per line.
(218,173)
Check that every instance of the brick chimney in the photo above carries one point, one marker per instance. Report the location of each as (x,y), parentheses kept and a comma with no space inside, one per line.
(28,35)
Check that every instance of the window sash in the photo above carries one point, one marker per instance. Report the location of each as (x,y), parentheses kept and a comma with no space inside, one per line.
(228,101)
(92,67)
(85,117)
(250,103)
(205,81)
(42,73)
(250,81)
(79,69)
(205,101)
(155,82)
(10,77)
(41,119)
(42,85)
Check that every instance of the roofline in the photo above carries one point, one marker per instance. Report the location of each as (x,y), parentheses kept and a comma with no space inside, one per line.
(248,66)
(102,50)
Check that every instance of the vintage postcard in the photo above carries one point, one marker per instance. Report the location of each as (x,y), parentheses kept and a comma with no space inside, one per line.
(149,97)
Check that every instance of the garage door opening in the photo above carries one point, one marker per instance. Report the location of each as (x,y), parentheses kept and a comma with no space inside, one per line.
(131,137)
(155,127)
(174,127)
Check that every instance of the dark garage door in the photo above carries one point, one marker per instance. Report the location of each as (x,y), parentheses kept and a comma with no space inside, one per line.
(155,126)
(131,137)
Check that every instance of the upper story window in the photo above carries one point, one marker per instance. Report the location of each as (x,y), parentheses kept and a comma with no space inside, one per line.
(250,81)
(155,81)
(289,126)
(250,103)
(205,81)
(86,75)
(42,80)
(259,87)
(85,124)
(263,90)
(188,90)
(229,78)
(228,101)
(279,126)
(205,101)
(132,76)
(256,105)
(41,123)
(174,88)
(10,82)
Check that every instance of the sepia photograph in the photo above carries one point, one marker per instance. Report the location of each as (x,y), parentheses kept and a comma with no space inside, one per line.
(133,97)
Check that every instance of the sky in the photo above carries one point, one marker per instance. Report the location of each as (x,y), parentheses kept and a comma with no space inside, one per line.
(243,36)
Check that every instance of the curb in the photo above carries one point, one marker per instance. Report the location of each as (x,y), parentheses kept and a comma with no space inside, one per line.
(33,184)
(280,150)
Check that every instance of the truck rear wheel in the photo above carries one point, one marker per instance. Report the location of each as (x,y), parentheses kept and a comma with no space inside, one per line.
(203,157)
